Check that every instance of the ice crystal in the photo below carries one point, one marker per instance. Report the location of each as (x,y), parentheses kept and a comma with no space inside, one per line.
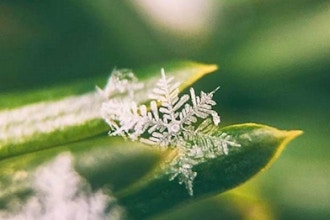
(187,123)
(121,82)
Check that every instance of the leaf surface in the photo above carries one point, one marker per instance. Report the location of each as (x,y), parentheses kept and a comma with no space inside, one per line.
(260,146)
(136,174)
(44,124)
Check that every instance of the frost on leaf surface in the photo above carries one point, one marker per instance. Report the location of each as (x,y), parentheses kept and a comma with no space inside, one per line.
(184,122)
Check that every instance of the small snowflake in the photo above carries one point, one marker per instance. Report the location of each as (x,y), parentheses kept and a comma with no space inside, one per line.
(184,122)
(121,82)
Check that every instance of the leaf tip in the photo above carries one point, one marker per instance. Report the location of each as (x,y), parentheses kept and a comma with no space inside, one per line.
(288,136)
(293,134)
(200,70)
(208,68)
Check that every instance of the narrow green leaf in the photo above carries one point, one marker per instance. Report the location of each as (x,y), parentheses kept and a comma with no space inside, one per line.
(51,123)
(260,146)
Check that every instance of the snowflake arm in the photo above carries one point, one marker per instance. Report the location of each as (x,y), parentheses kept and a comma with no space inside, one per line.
(201,108)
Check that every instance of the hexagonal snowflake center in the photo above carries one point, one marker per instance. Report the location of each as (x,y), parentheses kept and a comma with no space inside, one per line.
(173,127)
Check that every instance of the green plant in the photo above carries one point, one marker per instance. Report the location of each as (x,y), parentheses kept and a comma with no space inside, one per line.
(97,176)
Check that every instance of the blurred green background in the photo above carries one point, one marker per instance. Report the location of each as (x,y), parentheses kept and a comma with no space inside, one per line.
(274,68)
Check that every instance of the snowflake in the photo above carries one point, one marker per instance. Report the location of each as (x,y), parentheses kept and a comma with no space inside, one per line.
(185,123)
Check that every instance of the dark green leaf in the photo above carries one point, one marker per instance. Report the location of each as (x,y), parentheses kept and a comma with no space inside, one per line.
(260,146)
(135,173)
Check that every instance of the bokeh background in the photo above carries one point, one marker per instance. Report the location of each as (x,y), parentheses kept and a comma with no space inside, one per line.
(274,59)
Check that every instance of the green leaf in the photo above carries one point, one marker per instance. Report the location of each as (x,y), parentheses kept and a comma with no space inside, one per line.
(48,124)
(135,172)
(260,146)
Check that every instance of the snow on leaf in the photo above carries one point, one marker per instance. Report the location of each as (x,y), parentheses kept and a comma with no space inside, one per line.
(121,81)
(185,122)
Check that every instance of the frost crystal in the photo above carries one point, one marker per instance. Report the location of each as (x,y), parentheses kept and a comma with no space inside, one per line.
(187,122)
(121,82)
